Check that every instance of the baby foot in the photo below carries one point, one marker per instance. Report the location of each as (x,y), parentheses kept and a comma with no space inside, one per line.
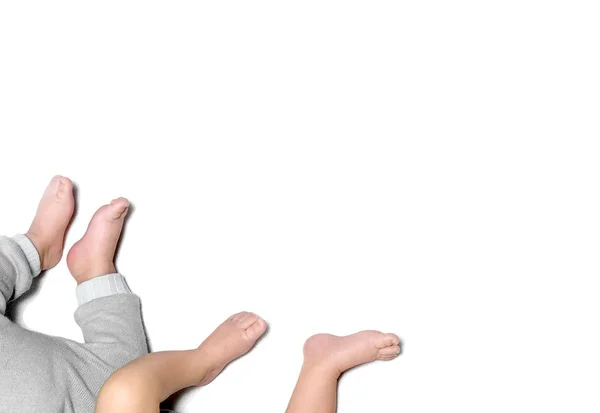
(55,210)
(93,255)
(339,354)
(232,339)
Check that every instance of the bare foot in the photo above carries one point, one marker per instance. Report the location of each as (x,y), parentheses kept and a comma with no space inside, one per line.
(339,354)
(94,254)
(55,210)
(232,339)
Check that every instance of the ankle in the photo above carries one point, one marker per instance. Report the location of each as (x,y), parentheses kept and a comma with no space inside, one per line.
(321,369)
(203,363)
(94,272)
(208,355)
(41,248)
(36,241)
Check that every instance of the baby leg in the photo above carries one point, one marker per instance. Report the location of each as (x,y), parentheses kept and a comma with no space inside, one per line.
(26,358)
(24,256)
(143,384)
(326,357)
(109,314)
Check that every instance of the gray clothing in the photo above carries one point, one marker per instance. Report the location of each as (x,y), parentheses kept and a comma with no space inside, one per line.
(45,374)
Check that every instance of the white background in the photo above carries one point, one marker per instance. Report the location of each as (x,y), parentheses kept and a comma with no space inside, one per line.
(425,168)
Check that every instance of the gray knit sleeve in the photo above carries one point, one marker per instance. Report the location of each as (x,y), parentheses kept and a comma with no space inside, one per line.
(101,287)
(19,264)
(110,314)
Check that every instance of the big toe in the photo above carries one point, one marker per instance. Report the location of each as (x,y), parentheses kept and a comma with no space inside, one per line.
(244,319)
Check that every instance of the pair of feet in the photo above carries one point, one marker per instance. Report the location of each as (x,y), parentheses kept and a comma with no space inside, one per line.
(93,255)
(329,354)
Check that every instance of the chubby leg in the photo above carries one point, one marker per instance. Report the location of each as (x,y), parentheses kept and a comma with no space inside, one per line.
(143,384)
(326,357)
(24,256)
(109,314)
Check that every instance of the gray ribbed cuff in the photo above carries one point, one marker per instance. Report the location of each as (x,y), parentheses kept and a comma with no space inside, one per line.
(99,287)
(33,257)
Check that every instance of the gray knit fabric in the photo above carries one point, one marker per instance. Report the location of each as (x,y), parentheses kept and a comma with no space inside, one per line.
(44,374)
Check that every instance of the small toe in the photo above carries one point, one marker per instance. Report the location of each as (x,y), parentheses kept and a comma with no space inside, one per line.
(388,353)
(239,316)
(387,340)
(118,208)
(64,183)
(64,189)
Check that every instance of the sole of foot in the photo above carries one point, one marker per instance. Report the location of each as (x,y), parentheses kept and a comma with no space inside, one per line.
(54,212)
(93,255)
(231,340)
(338,354)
